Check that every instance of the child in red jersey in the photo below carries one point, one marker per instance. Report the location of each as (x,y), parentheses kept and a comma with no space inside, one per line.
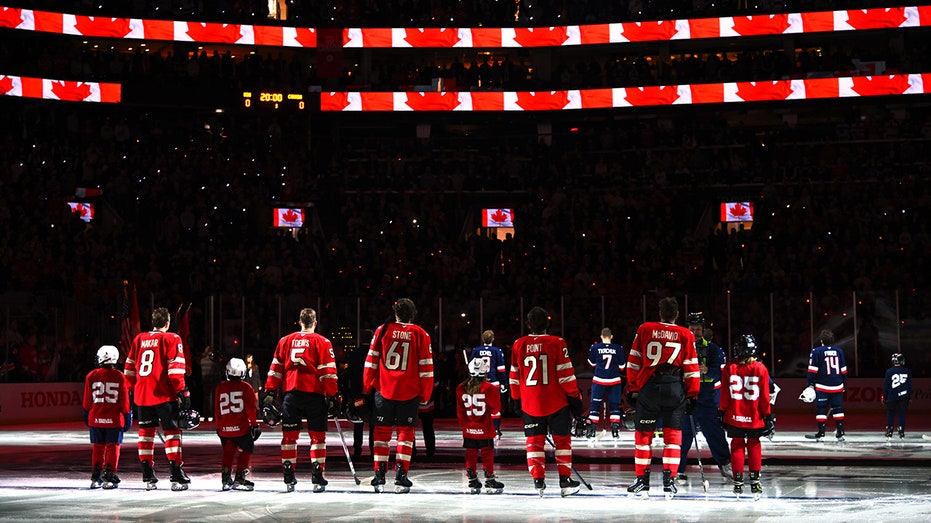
(107,414)
(235,412)
(478,405)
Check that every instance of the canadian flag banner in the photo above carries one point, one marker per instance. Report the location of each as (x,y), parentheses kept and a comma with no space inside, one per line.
(475,37)
(84,210)
(289,217)
(737,212)
(497,218)
(65,90)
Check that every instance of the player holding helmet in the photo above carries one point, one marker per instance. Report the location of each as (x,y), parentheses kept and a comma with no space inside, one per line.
(497,371)
(107,414)
(235,412)
(155,366)
(610,363)
(745,411)
(478,404)
(304,365)
(827,376)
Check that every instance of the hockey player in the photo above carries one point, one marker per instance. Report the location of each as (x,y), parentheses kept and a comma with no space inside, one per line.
(662,381)
(897,394)
(497,370)
(399,368)
(478,404)
(745,412)
(610,362)
(235,412)
(545,393)
(304,366)
(108,415)
(156,368)
(827,375)
(711,360)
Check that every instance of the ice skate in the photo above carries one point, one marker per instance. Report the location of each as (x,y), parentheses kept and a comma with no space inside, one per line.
(317,478)
(888,433)
(540,485)
(726,472)
(241,483)
(682,479)
(179,480)
(226,478)
(110,479)
(615,430)
(378,482)
(148,476)
(492,485)
(839,434)
(738,484)
(641,487)
(669,484)
(475,486)
(818,436)
(96,481)
(756,488)
(402,484)
(289,480)
(568,486)
(901,432)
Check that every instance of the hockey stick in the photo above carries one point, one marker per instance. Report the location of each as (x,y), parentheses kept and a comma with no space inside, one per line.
(701,470)
(342,439)
(587,484)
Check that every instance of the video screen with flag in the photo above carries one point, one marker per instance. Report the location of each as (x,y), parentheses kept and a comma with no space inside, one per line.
(289,217)
(84,209)
(737,212)
(497,218)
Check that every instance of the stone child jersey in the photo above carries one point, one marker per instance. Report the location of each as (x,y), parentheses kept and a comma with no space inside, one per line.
(542,377)
(662,344)
(745,394)
(106,398)
(476,412)
(827,369)
(399,364)
(897,385)
(497,370)
(609,361)
(234,408)
(155,367)
(304,361)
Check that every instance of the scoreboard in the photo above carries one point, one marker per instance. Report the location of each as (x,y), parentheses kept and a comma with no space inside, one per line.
(274,100)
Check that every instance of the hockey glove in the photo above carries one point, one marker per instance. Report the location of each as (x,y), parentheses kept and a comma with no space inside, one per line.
(255,432)
(268,398)
(769,426)
(127,421)
(515,406)
(333,405)
(575,406)
(632,399)
(184,399)
(690,404)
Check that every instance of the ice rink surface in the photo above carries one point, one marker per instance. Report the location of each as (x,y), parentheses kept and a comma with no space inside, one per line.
(44,476)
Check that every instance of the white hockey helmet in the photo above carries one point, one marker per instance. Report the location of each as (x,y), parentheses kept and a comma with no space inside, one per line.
(479,367)
(807,395)
(235,368)
(108,355)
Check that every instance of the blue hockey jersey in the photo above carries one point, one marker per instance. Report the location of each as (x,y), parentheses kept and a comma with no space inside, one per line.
(610,362)
(898,384)
(827,369)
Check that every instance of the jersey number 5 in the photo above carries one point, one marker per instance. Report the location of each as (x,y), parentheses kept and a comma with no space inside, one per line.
(231,402)
(474,404)
(747,388)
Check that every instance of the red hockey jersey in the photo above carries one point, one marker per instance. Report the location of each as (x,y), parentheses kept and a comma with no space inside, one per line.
(658,343)
(476,412)
(399,364)
(106,398)
(745,394)
(304,361)
(541,374)
(155,367)
(234,408)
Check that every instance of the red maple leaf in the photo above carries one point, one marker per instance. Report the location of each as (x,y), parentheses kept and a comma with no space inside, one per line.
(214,33)
(880,85)
(500,216)
(738,210)
(101,26)
(290,216)
(876,18)
(652,95)
(445,101)
(540,36)
(542,101)
(431,37)
(306,37)
(649,31)
(6,84)
(71,91)
(80,210)
(11,17)
(334,101)
(759,91)
(761,25)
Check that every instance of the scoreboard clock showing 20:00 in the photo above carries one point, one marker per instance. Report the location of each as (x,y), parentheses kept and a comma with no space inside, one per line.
(273,100)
